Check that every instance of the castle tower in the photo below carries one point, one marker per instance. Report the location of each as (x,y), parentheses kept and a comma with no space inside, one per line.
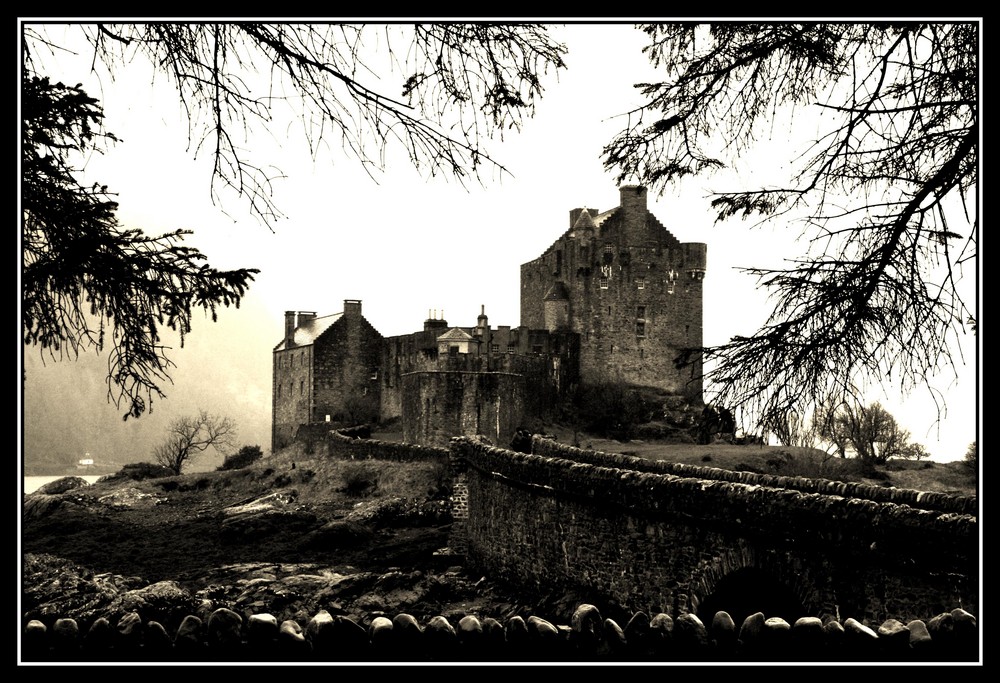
(629,288)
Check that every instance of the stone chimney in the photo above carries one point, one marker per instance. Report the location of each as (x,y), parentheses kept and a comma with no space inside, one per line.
(352,306)
(632,198)
(633,208)
(434,322)
(289,328)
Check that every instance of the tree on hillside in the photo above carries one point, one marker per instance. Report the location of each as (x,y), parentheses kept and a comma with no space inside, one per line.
(887,190)
(794,429)
(871,432)
(971,459)
(89,283)
(915,451)
(188,436)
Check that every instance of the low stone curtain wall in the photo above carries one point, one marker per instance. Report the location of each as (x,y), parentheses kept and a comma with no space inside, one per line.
(224,636)
(342,444)
(926,500)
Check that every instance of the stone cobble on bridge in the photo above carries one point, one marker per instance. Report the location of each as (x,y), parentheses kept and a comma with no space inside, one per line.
(225,636)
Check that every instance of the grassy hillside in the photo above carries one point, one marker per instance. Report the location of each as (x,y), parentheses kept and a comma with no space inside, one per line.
(952,477)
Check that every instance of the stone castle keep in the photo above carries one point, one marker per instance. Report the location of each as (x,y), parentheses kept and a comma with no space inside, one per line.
(614,299)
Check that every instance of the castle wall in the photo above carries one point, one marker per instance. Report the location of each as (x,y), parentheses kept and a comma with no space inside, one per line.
(291,393)
(403,354)
(440,404)
(347,366)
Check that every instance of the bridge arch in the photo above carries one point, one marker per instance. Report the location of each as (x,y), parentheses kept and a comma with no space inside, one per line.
(744,580)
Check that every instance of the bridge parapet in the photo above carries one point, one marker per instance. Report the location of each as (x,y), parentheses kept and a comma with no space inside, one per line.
(648,539)
(928,500)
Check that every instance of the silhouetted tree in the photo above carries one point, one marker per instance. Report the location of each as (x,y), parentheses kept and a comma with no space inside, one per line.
(86,282)
(914,451)
(887,188)
(189,436)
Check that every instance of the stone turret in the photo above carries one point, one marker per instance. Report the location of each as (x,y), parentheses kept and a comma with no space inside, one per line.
(482,323)
(556,307)
(695,258)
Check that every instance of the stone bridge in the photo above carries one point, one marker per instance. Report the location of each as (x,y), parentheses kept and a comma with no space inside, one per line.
(659,537)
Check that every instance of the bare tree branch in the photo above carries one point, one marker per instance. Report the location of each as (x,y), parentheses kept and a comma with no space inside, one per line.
(877,298)
(457,86)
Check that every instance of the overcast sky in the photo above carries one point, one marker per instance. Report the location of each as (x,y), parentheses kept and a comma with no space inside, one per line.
(403,244)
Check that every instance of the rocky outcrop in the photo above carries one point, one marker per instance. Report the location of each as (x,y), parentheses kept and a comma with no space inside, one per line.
(62,485)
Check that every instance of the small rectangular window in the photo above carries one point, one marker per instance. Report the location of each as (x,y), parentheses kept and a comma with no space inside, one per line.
(640,328)
(640,283)
(452,350)
(640,312)
(494,348)
(609,248)
(511,348)
(604,283)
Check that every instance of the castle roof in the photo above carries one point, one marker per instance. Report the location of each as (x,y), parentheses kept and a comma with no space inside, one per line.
(591,222)
(584,221)
(455,334)
(306,333)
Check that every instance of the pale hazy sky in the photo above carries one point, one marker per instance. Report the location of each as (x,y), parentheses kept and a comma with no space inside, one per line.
(404,245)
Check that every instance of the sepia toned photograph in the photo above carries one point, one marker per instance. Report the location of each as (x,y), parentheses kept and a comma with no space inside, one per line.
(507,342)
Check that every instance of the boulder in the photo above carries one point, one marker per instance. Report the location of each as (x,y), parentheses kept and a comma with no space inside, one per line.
(62,485)
(690,637)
